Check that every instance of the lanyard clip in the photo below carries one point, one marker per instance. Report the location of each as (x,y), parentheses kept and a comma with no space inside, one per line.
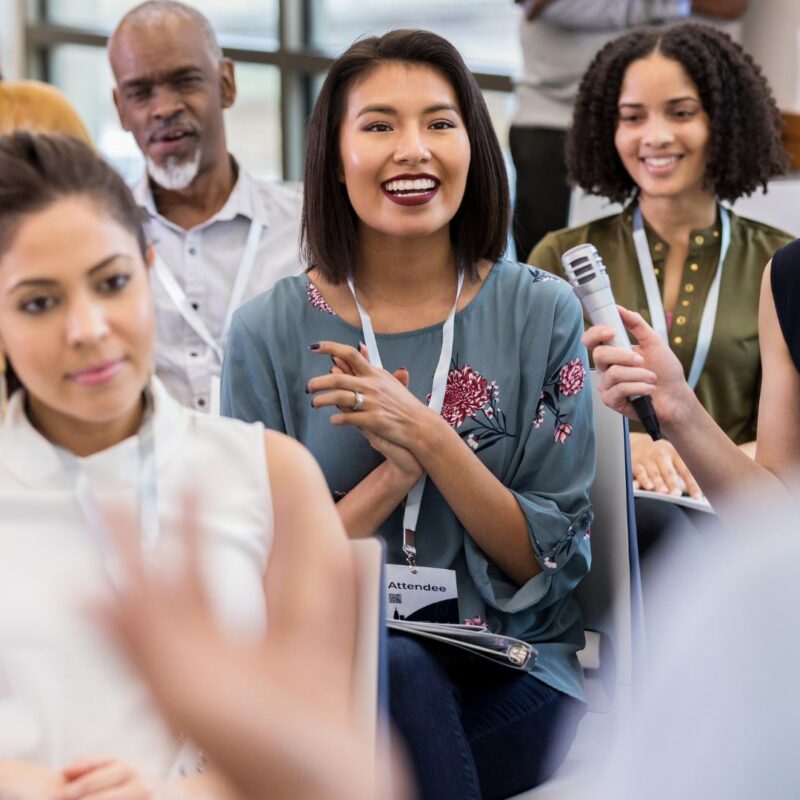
(410,549)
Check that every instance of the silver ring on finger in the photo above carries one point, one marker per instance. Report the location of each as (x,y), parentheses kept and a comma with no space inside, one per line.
(359,403)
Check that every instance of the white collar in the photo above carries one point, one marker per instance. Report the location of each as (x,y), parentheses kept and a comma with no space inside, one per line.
(35,461)
(245,200)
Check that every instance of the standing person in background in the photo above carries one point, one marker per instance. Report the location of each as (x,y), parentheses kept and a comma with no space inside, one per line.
(221,235)
(673,121)
(39,107)
(405,221)
(559,40)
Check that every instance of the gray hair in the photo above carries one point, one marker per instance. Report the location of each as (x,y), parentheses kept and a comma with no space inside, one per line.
(152,12)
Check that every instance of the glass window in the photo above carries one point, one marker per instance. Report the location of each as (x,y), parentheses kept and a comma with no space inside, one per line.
(253,124)
(248,18)
(486,32)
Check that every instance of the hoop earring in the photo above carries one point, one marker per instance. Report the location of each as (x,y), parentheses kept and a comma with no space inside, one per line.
(3,386)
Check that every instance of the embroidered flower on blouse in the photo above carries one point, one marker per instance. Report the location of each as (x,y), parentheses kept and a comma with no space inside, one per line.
(562,431)
(467,393)
(568,382)
(571,378)
(472,442)
(539,420)
(317,300)
(539,275)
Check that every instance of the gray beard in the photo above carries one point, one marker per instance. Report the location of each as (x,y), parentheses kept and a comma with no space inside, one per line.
(174,175)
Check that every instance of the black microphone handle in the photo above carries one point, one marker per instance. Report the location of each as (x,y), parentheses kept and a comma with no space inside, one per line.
(647,414)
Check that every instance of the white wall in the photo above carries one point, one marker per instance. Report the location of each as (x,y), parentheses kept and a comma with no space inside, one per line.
(772,36)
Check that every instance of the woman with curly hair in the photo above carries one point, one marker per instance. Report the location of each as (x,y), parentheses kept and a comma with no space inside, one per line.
(672,122)
(471,387)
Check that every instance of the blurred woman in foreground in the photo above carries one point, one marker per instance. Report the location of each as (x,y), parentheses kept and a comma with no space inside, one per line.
(87,428)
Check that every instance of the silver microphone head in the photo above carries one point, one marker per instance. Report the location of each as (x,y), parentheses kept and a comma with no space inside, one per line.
(583,264)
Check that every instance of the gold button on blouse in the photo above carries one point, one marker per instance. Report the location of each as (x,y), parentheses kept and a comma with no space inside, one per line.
(689,287)
(658,247)
(698,239)
(694,267)
(716,234)
(685,303)
(656,271)
(678,340)
(681,320)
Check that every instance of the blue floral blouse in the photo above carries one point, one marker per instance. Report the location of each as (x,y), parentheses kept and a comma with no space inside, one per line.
(517,395)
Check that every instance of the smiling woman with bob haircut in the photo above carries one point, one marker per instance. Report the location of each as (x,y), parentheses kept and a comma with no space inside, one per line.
(88,431)
(673,121)
(465,404)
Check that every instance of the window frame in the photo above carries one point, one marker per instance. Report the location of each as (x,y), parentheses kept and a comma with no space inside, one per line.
(297,61)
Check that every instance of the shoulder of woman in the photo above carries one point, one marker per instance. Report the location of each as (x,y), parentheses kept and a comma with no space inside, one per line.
(760,232)
(547,253)
(288,459)
(274,306)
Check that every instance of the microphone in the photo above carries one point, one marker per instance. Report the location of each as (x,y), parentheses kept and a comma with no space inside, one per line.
(587,275)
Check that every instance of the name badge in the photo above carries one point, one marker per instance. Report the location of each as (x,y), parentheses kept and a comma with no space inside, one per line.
(427,595)
(214,396)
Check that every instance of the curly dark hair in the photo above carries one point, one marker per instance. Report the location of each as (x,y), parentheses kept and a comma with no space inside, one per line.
(745,149)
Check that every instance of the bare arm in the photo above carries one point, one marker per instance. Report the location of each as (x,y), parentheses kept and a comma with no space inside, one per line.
(716,462)
(310,583)
(778,442)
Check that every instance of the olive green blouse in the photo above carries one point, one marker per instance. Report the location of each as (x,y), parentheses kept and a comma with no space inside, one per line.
(731,379)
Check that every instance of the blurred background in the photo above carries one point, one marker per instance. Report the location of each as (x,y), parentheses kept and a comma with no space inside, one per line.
(283,47)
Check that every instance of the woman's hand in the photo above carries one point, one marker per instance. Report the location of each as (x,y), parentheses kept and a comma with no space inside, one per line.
(403,460)
(657,467)
(103,778)
(651,368)
(391,415)
(21,780)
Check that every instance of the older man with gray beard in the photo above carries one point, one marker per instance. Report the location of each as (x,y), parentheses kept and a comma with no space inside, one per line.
(220,235)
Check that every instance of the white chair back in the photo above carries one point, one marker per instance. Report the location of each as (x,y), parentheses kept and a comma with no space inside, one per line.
(610,600)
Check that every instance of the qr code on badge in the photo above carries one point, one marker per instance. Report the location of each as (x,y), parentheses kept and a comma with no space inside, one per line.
(395,598)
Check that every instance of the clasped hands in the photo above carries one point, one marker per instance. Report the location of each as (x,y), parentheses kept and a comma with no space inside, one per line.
(392,420)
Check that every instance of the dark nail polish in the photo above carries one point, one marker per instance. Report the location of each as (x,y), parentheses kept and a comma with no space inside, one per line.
(312,402)
(307,392)
(333,361)
(314,346)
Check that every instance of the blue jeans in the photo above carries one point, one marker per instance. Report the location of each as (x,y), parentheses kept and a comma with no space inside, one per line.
(475,732)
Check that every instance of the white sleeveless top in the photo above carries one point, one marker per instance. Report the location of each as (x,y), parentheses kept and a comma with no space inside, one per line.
(65,688)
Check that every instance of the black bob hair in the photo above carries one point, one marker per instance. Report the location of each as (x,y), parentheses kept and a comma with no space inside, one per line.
(329,236)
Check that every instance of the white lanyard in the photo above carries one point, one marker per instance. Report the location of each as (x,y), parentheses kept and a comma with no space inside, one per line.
(414,499)
(189,760)
(656,306)
(181,302)
(148,496)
